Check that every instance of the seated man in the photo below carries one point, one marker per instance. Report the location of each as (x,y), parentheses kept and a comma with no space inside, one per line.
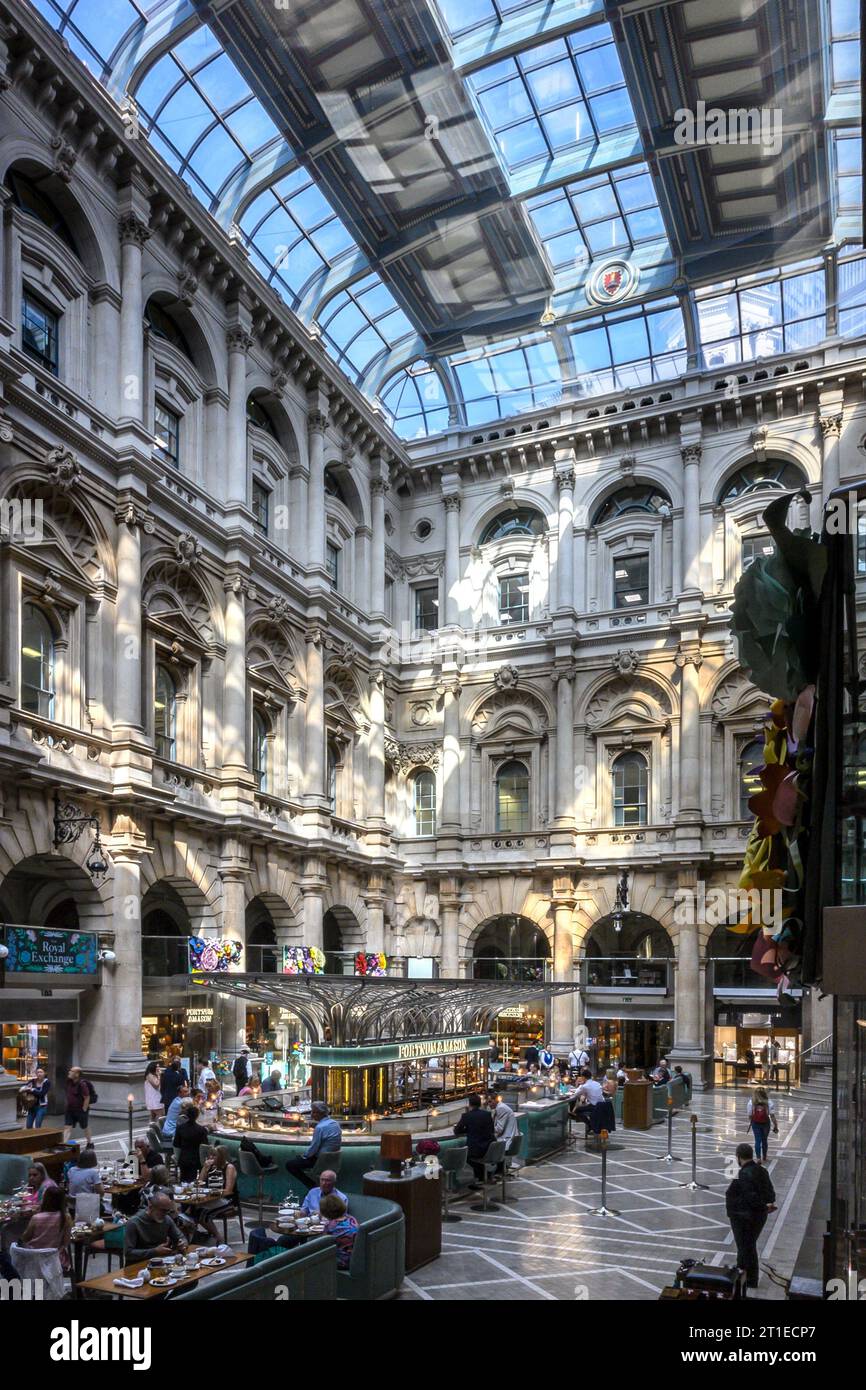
(260,1240)
(588,1093)
(477,1126)
(327,1139)
(274,1082)
(153,1232)
(661,1075)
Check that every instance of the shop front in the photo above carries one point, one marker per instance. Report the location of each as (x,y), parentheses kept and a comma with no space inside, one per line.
(757,1046)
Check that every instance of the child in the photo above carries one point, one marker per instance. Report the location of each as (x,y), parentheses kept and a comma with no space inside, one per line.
(341,1225)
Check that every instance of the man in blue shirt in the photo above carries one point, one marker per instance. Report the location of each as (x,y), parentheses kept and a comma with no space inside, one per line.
(327,1139)
(173,1113)
(327,1185)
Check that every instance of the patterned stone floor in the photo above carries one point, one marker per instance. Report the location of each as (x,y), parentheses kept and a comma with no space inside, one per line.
(551,1245)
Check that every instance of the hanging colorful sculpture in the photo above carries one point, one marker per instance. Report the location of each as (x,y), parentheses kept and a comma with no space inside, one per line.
(303,960)
(371,965)
(209,953)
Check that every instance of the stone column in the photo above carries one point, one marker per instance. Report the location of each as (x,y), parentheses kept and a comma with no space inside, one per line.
(831,434)
(374,901)
(378,491)
(691,528)
(688,998)
(376,761)
(689,662)
(312,887)
(314,724)
(452,558)
(450,692)
(449,917)
(317,423)
(134,232)
(564,746)
(565,560)
(234,731)
(238,343)
(580,573)
(234,872)
(562,1006)
(131,517)
(110,1029)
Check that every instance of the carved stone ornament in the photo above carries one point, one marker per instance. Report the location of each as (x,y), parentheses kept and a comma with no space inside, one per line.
(64,470)
(691,453)
(187,284)
(506,677)
(134,514)
(626,661)
(187,550)
(343,652)
(421,713)
(132,229)
(405,756)
(238,340)
(278,609)
(65,156)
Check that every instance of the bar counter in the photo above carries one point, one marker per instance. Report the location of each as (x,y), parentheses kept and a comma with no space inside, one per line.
(543,1122)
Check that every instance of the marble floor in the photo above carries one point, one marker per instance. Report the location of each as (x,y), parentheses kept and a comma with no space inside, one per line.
(550,1244)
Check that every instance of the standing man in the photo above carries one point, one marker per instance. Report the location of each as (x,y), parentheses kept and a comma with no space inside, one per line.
(327,1139)
(77,1105)
(274,1082)
(505,1126)
(578,1058)
(242,1069)
(171,1081)
(477,1124)
(748,1202)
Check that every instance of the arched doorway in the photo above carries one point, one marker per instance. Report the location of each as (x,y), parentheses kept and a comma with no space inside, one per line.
(514,948)
(166,1027)
(57,897)
(342,938)
(627,984)
(262,953)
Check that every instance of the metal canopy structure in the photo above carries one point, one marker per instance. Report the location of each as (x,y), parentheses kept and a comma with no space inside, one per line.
(435,186)
(344,1010)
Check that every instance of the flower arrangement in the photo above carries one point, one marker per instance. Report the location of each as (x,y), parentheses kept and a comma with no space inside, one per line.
(370,964)
(303,960)
(426,1148)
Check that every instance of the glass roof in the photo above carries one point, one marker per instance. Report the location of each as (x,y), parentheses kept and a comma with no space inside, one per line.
(560,117)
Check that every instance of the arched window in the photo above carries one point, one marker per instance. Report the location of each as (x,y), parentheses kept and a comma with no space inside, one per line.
(258,416)
(520,521)
(30,198)
(161,325)
(630,789)
(639,498)
(165,714)
(773,475)
(512,797)
(331,780)
(751,759)
(333,487)
(260,751)
(37,662)
(424,803)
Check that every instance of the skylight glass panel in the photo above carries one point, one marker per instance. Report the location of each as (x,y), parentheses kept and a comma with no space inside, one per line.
(844,43)
(623,351)
(294,234)
(595,218)
(508,378)
(416,403)
(362,323)
(92,28)
(206,119)
(759,318)
(554,97)
(852,297)
(848,164)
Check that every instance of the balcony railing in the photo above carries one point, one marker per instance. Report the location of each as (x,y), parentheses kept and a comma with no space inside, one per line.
(625,974)
(513,969)
(735,972)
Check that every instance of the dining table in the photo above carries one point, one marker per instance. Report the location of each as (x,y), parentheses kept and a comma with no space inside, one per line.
(105,1285)
(80,1240)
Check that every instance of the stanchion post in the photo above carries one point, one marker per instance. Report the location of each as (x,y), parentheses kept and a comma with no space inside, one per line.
(604,1209)
(694,1185)
(670,1156)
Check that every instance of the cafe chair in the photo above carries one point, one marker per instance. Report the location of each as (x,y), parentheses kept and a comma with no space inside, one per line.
(324,1163)
(489,1163)
(451,1162)
(228,1208)
(156,1141)
(39,1264)
(111,1246)
(251,1168)
(87,1206)
(514,1150)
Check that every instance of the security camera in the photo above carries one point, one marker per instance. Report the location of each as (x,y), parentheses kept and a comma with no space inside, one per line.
(107,957)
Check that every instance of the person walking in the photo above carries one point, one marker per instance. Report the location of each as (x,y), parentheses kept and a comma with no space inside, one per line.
(762,1114)
(748,1202)
(152,1097)
(79,1094)
(242,1069)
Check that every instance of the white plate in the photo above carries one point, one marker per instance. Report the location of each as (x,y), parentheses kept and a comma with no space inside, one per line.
(213,1263)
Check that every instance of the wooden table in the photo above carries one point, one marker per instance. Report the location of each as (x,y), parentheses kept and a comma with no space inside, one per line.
(80,1241)
(104,1283)
(420,1198)
(39,1146)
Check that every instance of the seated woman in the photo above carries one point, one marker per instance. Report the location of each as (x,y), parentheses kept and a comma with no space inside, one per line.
(38,1182)
(188,1137)
(225,1198)
(83,1176)
(340,1225)
(49,1227)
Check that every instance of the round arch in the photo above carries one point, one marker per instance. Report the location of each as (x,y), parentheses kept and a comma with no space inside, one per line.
(261,392)
(510,947)
(659,486)
(524,498)
(97,253)
(51,890)
(779,448)
(23,481)
(206,358)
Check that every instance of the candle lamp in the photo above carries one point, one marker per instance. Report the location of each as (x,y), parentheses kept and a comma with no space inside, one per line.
(130,1101)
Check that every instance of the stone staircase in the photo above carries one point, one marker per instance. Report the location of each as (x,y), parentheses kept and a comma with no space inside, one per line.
(816,1085)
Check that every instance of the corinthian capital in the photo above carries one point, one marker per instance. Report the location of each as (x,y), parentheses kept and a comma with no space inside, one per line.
(691,453)
(565,479)
(133,230)
(134,514)
(317,422)
(831,425)
(238,340)
(451,502)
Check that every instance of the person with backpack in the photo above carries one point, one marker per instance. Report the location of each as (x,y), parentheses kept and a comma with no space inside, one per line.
(761,1117)
(80,1095)
(748,1202)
